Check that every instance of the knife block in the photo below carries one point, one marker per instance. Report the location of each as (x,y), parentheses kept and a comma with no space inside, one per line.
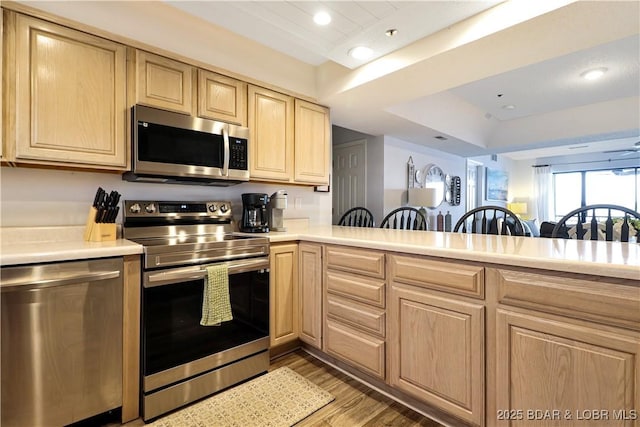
(98,232)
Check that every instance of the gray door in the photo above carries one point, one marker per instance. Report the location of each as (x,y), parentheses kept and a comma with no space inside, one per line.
(349,177)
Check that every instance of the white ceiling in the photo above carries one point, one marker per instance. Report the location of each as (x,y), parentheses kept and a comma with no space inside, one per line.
(287,26)
(553,104)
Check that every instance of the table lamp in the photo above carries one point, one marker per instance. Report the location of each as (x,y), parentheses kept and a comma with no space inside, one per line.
(425,197)
(518,208)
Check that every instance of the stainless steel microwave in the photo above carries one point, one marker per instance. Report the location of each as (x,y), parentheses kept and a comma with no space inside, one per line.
(176,148)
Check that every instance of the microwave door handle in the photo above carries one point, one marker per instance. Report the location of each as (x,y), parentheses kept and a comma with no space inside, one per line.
(225,163)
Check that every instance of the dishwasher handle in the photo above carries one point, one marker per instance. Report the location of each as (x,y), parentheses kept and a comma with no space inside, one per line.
(27,283)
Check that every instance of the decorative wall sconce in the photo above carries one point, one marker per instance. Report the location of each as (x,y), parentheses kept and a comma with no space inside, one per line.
(454,189)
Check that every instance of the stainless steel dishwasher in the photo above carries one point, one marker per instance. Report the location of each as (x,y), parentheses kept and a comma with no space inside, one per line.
(61,341)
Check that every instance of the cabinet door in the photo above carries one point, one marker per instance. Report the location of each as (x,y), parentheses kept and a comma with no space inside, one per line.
(283,294)
(547,364)
(312,143)
(70,96)
(222,98)
(270,117)
(436,350)
(311,294)
(164,83)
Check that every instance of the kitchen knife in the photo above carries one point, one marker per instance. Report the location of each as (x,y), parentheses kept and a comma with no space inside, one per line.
(96,199)
(100,205)
(113,213)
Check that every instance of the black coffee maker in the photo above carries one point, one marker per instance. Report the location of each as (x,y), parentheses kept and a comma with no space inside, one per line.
(254,213)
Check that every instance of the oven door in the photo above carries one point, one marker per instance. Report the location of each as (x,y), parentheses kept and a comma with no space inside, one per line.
(176,347)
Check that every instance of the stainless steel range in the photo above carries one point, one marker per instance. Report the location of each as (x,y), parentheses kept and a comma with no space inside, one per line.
(183,361)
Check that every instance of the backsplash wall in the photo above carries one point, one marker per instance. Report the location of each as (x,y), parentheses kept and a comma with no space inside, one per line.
(42,197)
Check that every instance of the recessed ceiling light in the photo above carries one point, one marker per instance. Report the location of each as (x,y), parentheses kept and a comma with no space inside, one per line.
(509,107)
(594,74)
(360,52)
(322,18)
(391,32)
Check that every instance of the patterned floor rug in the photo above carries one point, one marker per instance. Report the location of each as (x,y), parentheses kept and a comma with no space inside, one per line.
(279,398)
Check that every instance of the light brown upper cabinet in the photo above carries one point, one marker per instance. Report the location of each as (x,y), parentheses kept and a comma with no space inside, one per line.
(222,98)
(164,83)
(312,143)
(291,138)
(65,96)
(271,122)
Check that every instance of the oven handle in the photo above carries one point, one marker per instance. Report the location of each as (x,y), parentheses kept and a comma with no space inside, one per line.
(194,273)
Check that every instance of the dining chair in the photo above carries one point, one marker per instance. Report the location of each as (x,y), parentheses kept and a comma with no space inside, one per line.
(357,217)
(603,225)
(490,220)
(405,218)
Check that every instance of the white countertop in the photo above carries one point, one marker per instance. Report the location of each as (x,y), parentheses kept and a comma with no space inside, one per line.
(30,245)
(610,259)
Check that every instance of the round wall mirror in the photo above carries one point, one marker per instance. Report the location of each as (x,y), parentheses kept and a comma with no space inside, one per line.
(433,177)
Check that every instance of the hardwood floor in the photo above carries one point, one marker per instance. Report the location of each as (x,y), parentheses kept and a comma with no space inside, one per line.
(355,404)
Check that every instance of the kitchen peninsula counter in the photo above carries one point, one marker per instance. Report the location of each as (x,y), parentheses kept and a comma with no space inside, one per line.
(609,259)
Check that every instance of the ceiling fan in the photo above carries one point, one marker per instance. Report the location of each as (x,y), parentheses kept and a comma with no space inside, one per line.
(627,151)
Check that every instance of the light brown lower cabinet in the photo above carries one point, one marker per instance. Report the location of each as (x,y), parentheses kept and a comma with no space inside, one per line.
(436,350)
(354,308)
(283,294)
(554,371)
(310,291)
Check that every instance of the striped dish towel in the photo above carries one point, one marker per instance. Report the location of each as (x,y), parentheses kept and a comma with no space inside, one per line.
(216,305)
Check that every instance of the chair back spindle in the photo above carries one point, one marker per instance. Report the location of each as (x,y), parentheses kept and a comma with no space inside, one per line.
(357,217)
(405,218)
(490,220)
(574,224)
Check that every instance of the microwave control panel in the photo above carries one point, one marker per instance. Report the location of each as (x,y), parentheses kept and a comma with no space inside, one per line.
(238,156)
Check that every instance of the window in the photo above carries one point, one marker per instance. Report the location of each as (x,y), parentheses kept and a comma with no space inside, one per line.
(608,186)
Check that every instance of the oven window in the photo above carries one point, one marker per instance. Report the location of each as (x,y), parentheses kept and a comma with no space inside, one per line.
(164,144)
(172,334)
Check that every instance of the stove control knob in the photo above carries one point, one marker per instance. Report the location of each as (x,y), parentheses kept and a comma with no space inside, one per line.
(224,208)
(150,208)
(213,208)
(135,208)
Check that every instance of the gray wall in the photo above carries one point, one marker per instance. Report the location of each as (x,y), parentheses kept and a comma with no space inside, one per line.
(396,156)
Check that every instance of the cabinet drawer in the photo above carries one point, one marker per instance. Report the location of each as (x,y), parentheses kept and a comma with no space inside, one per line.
(454,277)
(369,319)
(353,260)
(600,301)
(356,348)
(360,288)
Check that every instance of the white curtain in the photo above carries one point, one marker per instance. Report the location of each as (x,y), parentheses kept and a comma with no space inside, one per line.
(542,193)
